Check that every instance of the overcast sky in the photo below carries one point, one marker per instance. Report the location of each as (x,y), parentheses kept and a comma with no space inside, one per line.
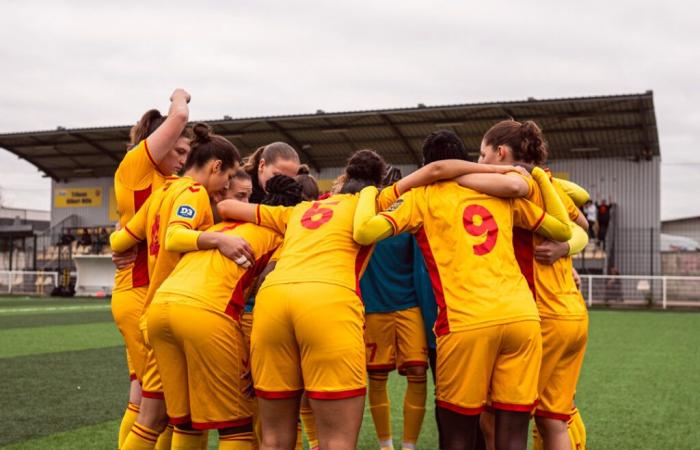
(79,64)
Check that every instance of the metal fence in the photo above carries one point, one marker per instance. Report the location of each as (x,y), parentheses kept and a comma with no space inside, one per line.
(27,282)
(641,291)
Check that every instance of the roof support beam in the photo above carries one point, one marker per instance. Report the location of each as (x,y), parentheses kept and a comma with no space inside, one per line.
(416,157)
(96,145)
(296,143)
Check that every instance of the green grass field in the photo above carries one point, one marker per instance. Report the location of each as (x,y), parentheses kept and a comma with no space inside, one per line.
(65,381)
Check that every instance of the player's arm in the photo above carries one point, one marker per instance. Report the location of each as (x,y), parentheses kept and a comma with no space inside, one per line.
(575,192)
(162,140)
(445,170)
(369,228)
(133,232)
(555,223)
(550,251)
(510,185)
(236,210)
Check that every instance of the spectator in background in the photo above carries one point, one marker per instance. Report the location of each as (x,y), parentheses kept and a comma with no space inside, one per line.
(591,212)
(66,237)
(603,220)
(85,238)
(101,240)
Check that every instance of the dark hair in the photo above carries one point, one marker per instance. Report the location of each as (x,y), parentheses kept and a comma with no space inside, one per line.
(282,190)
(207,146)
(308,183)
(364,168)
(392,176)
(443,144)
(241,174)
(149,122)
(270,153)
(524,139)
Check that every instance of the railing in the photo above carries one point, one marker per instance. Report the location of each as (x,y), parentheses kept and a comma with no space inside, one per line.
(641,290)
(27,282)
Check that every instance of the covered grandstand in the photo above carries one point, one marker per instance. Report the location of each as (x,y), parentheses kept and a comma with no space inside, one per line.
(608,144)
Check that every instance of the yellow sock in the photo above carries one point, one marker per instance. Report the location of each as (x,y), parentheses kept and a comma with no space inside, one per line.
(237,441)
(165,439)
(307,417)
(379,406)
(537,442)
(140,438)
(298,445)
(580,430)
(413,410)
(187,439)
(205,440)
(130,415)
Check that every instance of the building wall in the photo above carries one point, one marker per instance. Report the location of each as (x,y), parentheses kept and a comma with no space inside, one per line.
(689,228)
(88,216)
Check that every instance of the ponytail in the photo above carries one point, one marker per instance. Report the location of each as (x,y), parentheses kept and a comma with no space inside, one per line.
(149,122)
(308,183)
(525,140)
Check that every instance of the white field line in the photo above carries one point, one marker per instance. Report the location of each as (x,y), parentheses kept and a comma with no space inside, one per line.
(54,309)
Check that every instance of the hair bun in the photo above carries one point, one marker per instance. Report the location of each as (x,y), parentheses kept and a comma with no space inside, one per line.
(304,170)
(202,132)
(282,190)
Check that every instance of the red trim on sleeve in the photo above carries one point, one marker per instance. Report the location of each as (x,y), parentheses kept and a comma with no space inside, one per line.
(182,222)
(337,395)
(257,214)
(150,157)
(442,325)
(225,424)
(155,395)
(513,407)
(277,395)
(396,190)
(523,245)
(552,415)
(391,220)
(539,221)
(132,234)
(459,409)
(360,261)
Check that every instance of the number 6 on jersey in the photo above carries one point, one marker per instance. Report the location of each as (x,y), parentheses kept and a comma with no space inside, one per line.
(316,216)
(479,221)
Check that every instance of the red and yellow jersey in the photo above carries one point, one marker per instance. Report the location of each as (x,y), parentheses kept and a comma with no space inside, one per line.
(466,239)
(209,280)
(180,203)
(318,243)
(552,285)
(135,179)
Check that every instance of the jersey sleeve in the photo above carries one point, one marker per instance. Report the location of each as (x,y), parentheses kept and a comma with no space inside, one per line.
(531,183)
(526,214)
(274,217)
(405,213)
(191,211)
(569,204)
(575,192)
(387,197)
(137,166)
(132,233)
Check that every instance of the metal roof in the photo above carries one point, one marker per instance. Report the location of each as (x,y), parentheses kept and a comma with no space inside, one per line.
(616,126)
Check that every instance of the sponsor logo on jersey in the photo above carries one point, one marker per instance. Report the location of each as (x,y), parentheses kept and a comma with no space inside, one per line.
(186,211)
(394,206)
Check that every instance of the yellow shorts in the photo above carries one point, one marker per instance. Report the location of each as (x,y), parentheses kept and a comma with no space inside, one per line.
(151,383)
(563,348)
(498,362)
(126,310)
(203,360)
(395,340)
(308,336)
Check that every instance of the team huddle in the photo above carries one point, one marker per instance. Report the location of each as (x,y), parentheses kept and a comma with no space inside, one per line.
(251,304)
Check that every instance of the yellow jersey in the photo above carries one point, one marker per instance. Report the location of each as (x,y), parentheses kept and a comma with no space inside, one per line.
(135,179)
(552,285)
(318,243)
(209,280)
(466,240)
(182,202)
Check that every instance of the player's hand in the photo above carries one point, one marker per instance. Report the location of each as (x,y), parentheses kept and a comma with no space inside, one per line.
(237,250)
(124,259)
(550,251)
(577,279)
(180,94)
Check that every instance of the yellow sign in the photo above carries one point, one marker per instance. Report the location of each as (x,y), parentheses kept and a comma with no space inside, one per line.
(561,175)
(78,197)
(113,210)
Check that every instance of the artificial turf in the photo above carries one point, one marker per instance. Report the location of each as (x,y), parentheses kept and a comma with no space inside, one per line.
(65,382)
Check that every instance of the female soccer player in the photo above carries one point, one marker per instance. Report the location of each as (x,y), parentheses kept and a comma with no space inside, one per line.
(548,267)
(183,207)
(487,326)
(308,312)
(277,158)
(160,148)
(193,325)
